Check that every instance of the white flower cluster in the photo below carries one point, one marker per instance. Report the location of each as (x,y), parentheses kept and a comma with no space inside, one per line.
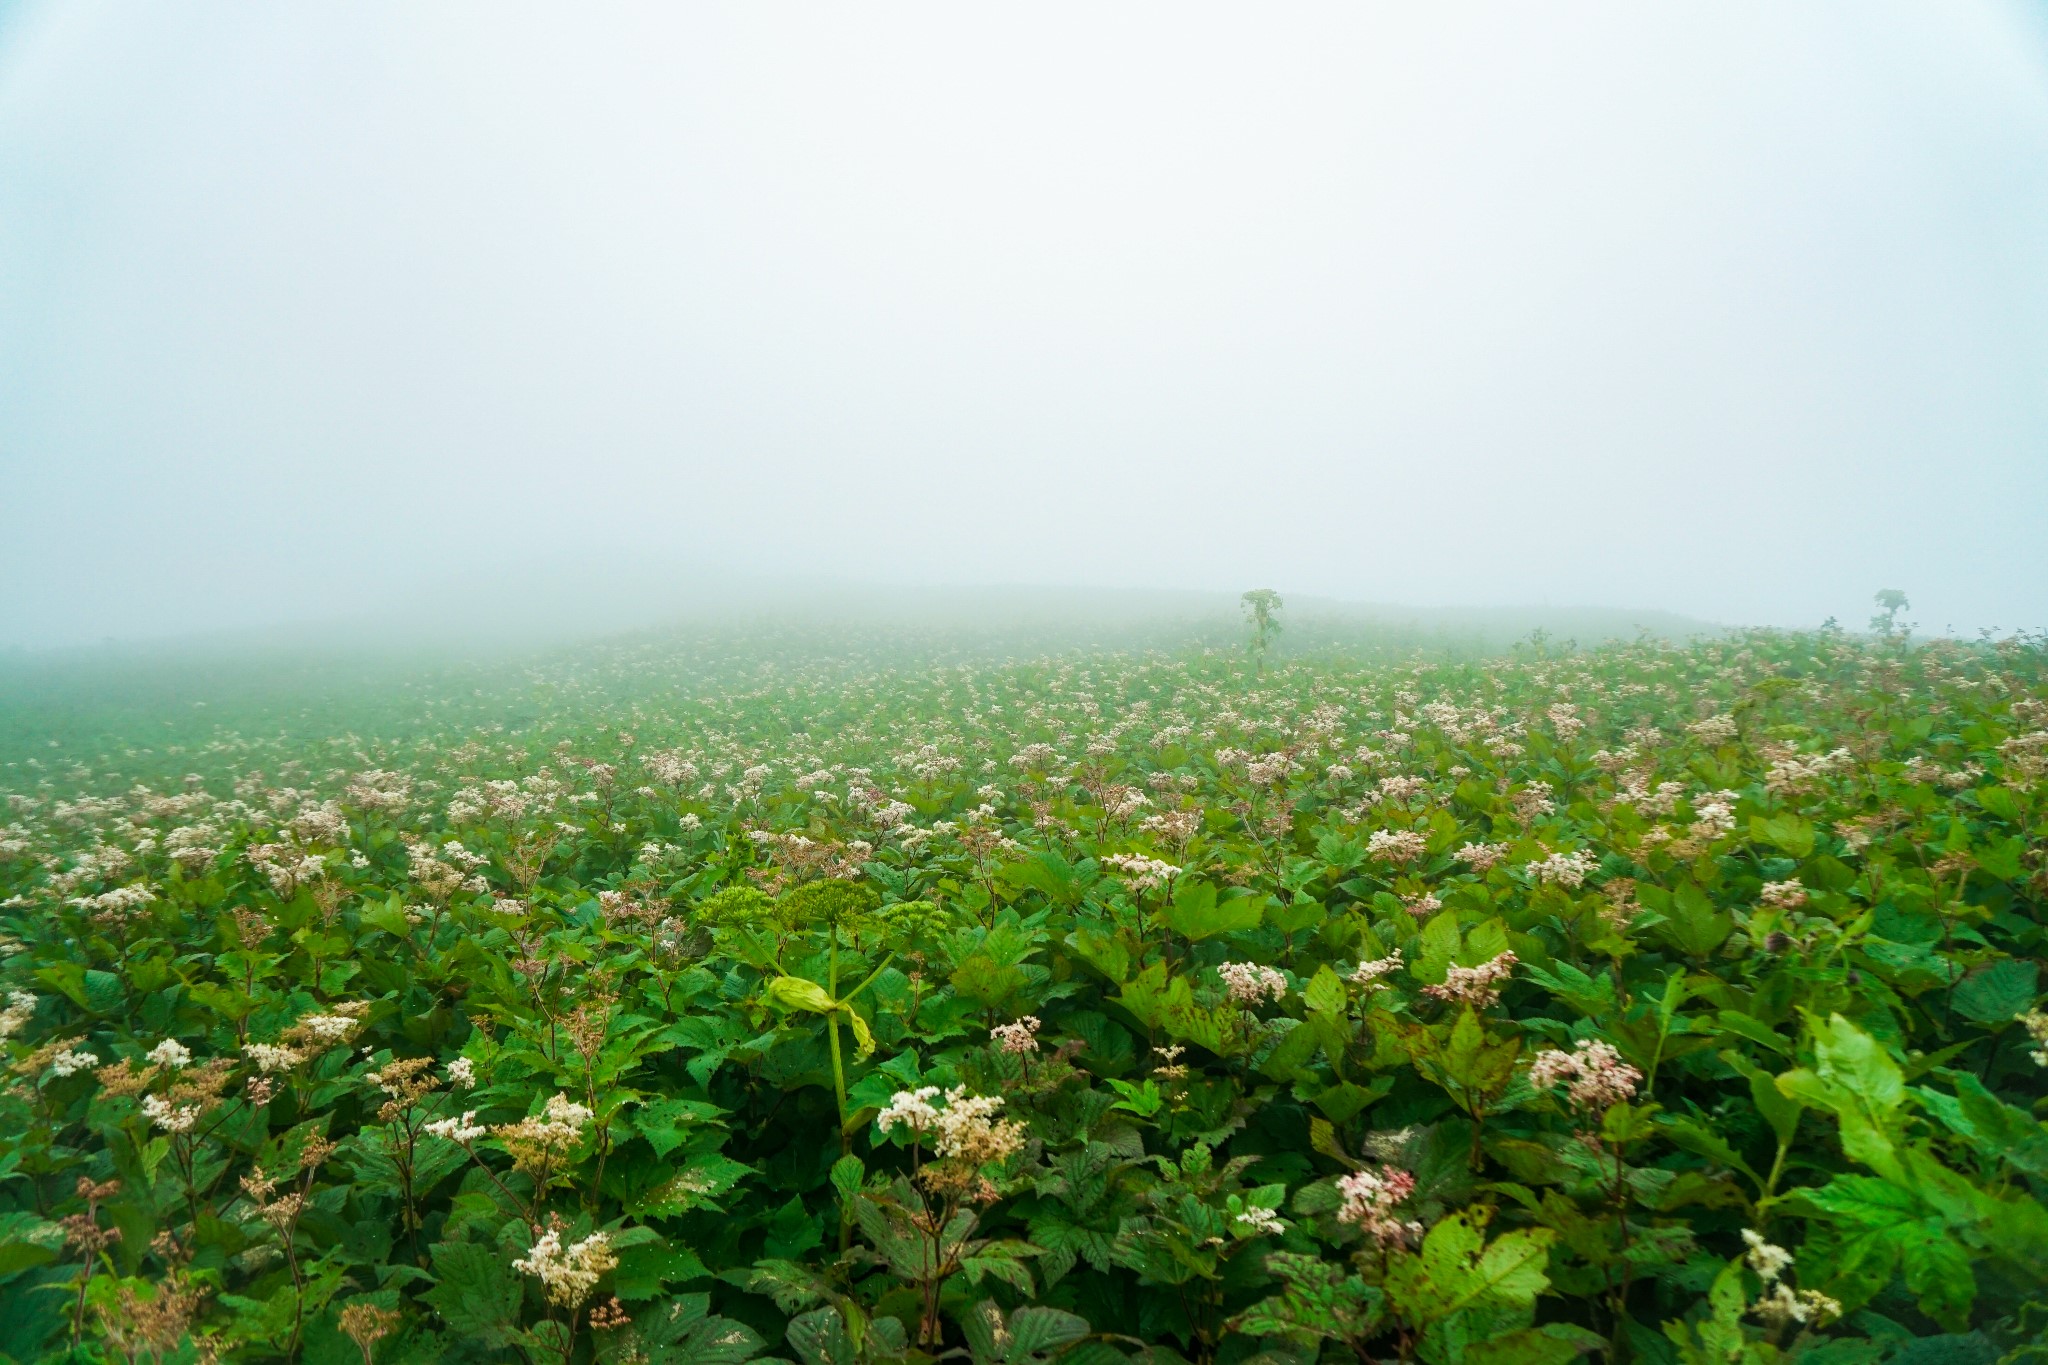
(170,1052)
(568,1274)
(1371,973)
(1422,905)
(2036,1025)
(1476,986)
(1397,845)
(910,1109)
(1714,730)
(1481,857)
(1250,984)
(71,1061)
(966,1128)
(1713,816)
(1268,769)
(1564,869)
(1401,789)
(21,1007)
(121,901)
(330,1028)
(170,1118)
(1141,873)
(1262,1222)
(1786,895)
(269,1057)
(1038,757)
(464,1129)
(562,1121)
(1369,1198)
(1781,1304)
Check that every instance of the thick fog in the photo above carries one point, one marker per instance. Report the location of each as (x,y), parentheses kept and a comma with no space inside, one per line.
(405,311)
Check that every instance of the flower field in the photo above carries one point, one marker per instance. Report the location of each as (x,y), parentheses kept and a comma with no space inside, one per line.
(798,1000)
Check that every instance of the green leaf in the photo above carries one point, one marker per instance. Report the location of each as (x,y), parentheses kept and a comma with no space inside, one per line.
(1780,1110)
(1342,1101)
(1324,992)
(1319,1302)
(1034,1331)
(1696,1137)
(1295,916)
(1195,912)
(387,915)
(1998,992)
(1695,927)
(1937,1269)
(819,1338)
(1106,953)
(2004,858)
(863,1036)
(1856,1079)
(682,1331)
(1740,1024)
(1552,1344)
(1440,941)
(1457,1268)
(643,1270)
(476,1291)
(1999,801)
(1995,1129)
(104,993)
(1793,833)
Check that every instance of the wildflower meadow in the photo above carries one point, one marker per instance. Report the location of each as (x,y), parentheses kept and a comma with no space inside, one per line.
(791,996)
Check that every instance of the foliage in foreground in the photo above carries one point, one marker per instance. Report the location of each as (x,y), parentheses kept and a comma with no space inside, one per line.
(1667,1004)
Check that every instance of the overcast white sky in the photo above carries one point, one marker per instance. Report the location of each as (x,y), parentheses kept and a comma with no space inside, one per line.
(1732,309)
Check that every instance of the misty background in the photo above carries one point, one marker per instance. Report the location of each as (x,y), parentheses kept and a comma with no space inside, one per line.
(534,318)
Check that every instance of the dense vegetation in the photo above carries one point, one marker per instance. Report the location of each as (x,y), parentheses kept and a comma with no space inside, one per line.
(1665,1003)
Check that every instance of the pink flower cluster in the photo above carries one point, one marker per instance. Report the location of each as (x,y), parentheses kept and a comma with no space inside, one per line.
(1019,1038)
(1595,1076)
(1369,1201)
(1475,986)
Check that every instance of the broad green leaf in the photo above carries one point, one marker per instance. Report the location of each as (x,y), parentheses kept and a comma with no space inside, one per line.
(682,1331)
(1319,1301)
(1780,1110)
(1856,1079)
(1034,1331)
(1324,992)
(1995,1129)
(104,993)
(1695,927)
(1793,833)
(1997,992)
(475,1291)
(1553,1344)
(1197,913)
(1456,1268)
(643,1270)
